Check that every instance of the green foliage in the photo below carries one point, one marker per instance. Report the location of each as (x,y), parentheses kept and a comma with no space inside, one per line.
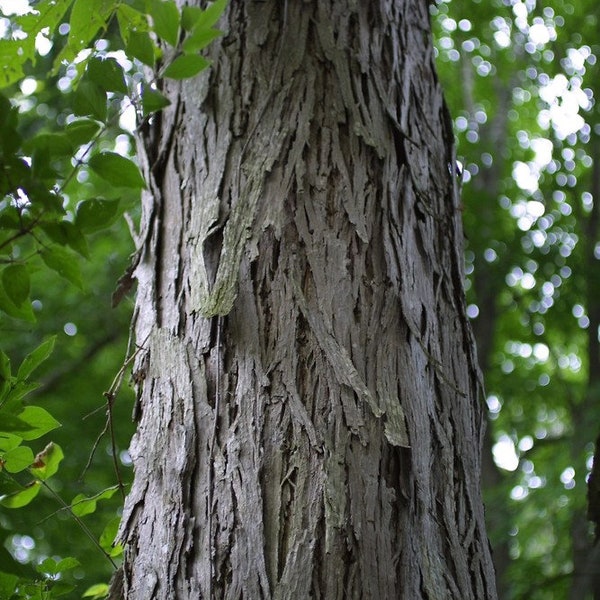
(107,538)
(99,590)
(165,16)
(117,170)
(152,101)
(28,422)
(16,52)
(185,66)
(511,72)
(35,175)
(64,183)
(81,505)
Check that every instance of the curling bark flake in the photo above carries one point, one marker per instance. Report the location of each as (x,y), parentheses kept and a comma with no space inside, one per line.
(308,399)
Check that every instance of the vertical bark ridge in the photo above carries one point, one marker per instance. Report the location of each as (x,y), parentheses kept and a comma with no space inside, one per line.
(322,439)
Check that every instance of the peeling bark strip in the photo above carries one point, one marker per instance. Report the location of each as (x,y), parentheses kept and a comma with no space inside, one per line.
(321,437)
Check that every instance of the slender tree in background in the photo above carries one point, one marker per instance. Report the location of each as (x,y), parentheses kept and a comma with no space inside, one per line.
(308,414)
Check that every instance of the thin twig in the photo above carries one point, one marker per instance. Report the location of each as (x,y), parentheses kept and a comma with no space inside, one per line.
(110,396)
(81,524)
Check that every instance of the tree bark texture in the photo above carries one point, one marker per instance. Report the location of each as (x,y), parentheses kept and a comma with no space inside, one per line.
(309,419)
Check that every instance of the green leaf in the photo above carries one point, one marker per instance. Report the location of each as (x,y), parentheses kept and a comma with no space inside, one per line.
(165,16)
(9,219)
(96,591)
(8,584)
(61,588)
(5,377)
(108,74)
(82,131)
(11,62)
(95,214)
(15,171)
(17,459)
(211,15)
(152,100)
(108,536)
(15,279)
(67,233)
(22,497)
(46,462)
(87,18)
(140,46)
(8,441)
(23,312)
(43,167)
(4,366)
(190,16)
(64,263)
(200,39)
(38,423)
(186,66)
(89,100)
(49,199)
(15,52)
(67,563)
(81,505)
(10,140)
(17,391)
(31,590)
(76,239)
(131,21)
(54,144)
(117,170)
(49,566)
(55,231)
(34,359)
(47,15)
(13,423)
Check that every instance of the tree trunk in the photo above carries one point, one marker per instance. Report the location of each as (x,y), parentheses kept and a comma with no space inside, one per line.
(309,417)
(488,280)
(586,552)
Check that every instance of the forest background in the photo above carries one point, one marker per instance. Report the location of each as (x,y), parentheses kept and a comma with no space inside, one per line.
(521,78)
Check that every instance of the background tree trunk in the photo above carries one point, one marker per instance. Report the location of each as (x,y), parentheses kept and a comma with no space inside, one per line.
(309,418)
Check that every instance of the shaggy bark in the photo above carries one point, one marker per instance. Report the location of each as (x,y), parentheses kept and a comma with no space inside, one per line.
(309,419)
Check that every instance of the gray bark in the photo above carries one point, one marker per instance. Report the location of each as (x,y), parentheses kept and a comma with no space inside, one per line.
(309,418)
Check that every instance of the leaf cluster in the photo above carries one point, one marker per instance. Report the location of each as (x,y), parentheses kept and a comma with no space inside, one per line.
(63,182)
